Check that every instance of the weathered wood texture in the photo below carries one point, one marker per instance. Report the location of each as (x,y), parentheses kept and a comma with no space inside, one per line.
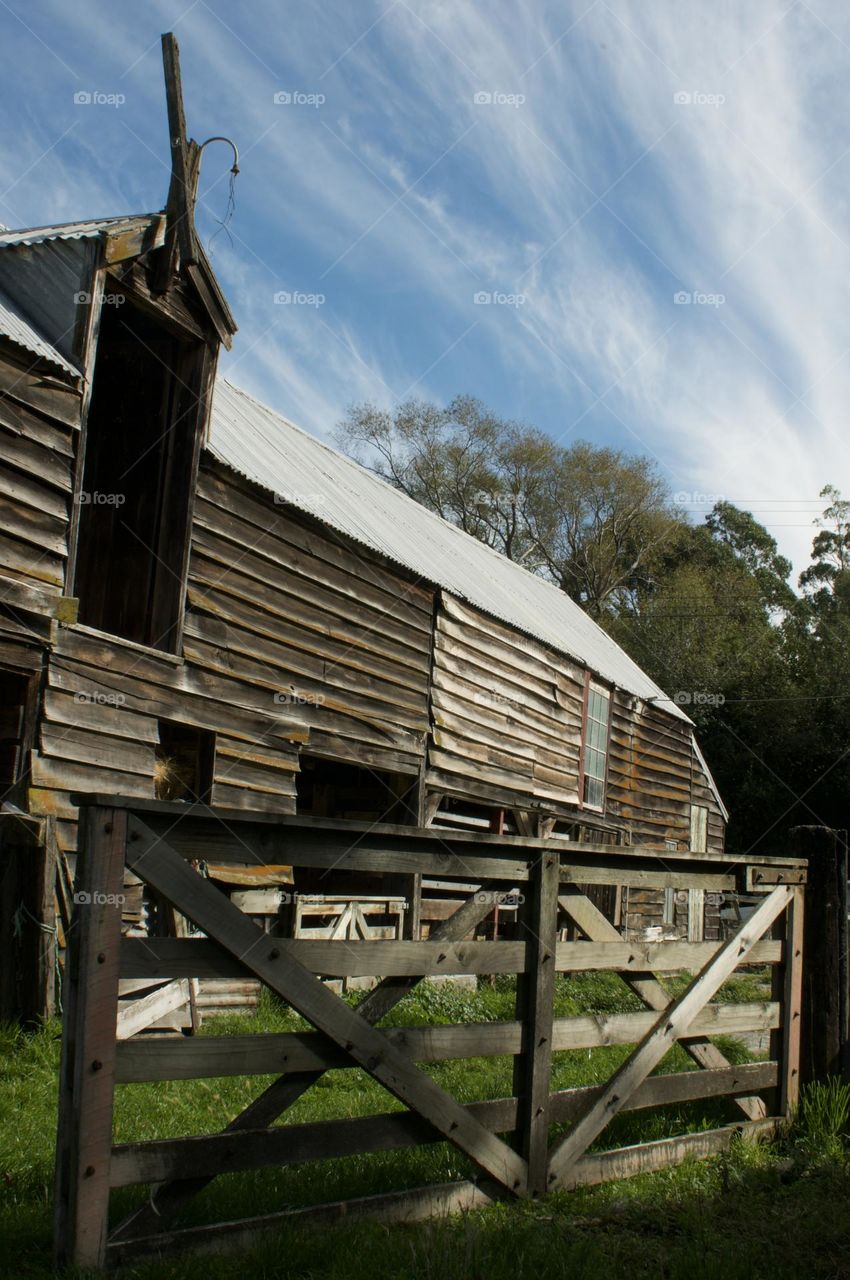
(308,627)
(507,714)
(88,1046)
(507,1138)
(37,448)
(437,1201)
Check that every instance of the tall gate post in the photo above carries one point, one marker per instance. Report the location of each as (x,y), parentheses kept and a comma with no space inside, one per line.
(538,928)
(824,1047)
(87,1070)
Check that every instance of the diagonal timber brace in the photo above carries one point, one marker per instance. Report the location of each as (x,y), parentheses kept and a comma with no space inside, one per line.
(596,928)
(670,1027)
(170,1197)
(165,870)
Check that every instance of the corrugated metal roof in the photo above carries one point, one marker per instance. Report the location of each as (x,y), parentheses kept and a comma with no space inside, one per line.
(70,230)
(265,447)
(18,330)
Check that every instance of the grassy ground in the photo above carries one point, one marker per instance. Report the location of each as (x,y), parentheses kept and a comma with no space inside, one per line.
(782,1211)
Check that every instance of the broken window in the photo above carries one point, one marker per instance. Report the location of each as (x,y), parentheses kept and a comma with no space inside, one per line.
(185,759)
(141,443)
(15,693)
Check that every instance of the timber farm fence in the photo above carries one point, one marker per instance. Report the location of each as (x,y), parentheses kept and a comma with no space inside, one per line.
(508,1140)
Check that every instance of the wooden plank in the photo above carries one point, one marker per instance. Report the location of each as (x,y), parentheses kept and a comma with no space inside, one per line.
(88,1046)
(90,747)
(65,775)
(261,1054)
(414,1205)
(673,1023)
(166,871)
(283,1092)
(236,510)
(435,1201)
(792,979)
(141,1013)
(307,827)
(594,925)
(538,927)
(352,849)
(169,957)
(281,1145)
(650,1157)
(42,392)
(201,958)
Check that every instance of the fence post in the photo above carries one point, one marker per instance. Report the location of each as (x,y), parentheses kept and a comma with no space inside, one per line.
(788,990)
(538,928)
(824,1046)
(87,1070)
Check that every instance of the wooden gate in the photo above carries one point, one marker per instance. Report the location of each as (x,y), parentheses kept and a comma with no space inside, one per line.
(507,1140)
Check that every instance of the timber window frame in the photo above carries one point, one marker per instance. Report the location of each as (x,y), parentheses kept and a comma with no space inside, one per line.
(595,743)
(151,380)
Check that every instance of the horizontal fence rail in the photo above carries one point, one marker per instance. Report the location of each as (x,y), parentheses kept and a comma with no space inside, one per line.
(521,1145)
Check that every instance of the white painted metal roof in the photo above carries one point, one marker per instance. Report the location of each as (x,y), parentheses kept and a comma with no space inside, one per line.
(265,447)
(14,327)
(70,230)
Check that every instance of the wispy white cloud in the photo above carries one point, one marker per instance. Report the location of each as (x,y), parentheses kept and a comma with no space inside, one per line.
(582,184)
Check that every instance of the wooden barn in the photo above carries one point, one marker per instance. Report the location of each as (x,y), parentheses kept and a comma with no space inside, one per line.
(199,600)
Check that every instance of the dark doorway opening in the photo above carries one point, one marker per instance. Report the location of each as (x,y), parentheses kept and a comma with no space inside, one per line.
(331,789)
(141,445)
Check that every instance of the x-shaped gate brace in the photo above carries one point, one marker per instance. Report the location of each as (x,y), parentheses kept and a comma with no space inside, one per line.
(538,1167)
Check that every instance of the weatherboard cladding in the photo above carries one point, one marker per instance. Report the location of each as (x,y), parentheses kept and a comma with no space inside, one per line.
(300,470)
(309,475)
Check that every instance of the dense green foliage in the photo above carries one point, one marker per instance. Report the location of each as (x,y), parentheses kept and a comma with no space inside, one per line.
(708,609)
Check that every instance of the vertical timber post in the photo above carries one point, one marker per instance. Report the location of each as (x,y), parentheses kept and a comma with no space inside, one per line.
(788,990)
(87,1070)
(538,928)
(824,1019)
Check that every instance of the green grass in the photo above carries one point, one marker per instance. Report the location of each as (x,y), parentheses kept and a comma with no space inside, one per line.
(777,1211)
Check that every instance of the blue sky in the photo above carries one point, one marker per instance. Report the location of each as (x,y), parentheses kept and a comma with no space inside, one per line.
(582,163)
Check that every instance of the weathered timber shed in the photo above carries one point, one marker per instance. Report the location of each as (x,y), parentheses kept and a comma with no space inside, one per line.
(200,600)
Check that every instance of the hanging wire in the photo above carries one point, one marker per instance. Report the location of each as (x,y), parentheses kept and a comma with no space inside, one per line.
(230,207)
